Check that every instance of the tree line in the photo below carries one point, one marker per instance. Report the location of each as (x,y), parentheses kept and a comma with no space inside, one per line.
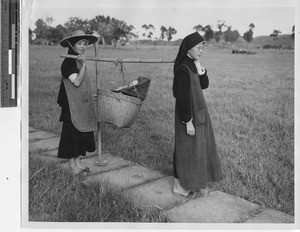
(111,30)
(276,33)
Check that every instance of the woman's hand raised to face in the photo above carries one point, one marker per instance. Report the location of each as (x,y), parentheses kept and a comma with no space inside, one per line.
(198,64)
(81,58)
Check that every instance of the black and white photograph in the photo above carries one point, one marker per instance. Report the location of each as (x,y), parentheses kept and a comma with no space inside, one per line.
(148,114)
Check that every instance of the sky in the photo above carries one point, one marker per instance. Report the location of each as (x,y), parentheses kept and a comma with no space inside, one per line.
(183,15)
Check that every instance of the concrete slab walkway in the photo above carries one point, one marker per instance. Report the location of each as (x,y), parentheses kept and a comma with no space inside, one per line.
(149,188)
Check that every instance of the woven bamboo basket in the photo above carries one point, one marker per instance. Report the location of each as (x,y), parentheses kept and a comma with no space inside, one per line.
(116,108)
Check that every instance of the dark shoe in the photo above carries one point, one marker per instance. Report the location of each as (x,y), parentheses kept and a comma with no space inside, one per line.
(81,173)
(195,194)
(87,170)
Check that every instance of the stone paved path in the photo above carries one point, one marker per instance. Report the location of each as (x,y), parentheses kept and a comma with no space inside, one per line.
(149,188)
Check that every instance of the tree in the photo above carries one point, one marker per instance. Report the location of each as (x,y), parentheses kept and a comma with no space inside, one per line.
(110,30)
(231,36)
(248,36)
(49,20)
(227,34)
(293,32)
(120,30)
(220,25)
(209,33)
(55,35)
(44,33)
(163,33)
(235,35)
(217,36)
(275,34)
(171,31)
(152,29)
(102,27)
(198,28)
(76,23)
(41,29)
(149,30)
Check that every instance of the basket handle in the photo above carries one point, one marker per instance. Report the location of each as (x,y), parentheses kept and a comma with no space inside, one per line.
(120,62)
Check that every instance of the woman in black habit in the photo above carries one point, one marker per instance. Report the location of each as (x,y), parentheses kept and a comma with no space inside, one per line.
(196,160)
(75,99)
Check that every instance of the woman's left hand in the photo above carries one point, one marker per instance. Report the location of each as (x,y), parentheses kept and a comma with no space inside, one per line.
(190,129)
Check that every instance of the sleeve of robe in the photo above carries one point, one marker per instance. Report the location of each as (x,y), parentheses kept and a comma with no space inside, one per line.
(68,67)
(182,90)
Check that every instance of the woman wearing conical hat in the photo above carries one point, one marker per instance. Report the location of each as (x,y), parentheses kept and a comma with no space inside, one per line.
(78,115)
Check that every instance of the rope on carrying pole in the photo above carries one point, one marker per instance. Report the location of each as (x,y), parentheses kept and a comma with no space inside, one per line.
(127,60)
(122,68)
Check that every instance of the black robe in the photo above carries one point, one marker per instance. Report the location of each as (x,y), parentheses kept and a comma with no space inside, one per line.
(196,160)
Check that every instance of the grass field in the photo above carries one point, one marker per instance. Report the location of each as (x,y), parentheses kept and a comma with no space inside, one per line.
(250,100)
(58,196)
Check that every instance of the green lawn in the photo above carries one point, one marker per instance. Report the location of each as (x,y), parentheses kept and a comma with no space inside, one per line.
(250,100)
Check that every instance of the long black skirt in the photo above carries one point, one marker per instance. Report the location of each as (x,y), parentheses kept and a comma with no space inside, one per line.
(74,143)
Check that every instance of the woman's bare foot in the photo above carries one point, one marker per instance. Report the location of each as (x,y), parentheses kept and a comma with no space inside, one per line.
(78,163)
(73,167)
(177,189)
